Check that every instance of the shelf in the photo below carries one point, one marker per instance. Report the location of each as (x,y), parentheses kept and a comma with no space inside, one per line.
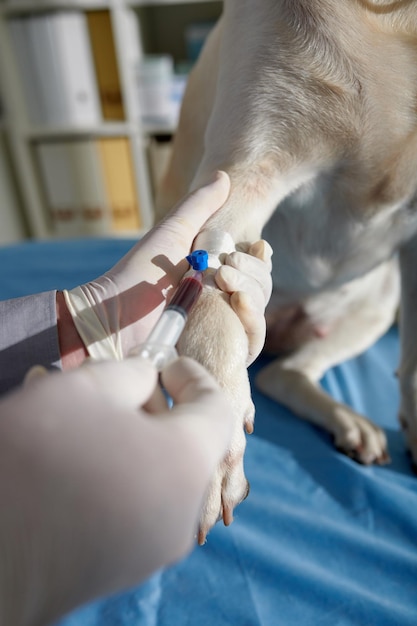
(103,130)
(152,3)
(34,7)
(86,5)
(159,129)
(138,27)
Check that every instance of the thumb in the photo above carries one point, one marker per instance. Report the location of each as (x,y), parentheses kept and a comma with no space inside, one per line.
(188,217)
(125,384)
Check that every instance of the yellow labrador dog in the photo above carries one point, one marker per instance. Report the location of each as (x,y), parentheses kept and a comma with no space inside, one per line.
(311,107)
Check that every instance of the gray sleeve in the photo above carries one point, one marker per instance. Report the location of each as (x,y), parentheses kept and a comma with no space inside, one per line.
(28,336)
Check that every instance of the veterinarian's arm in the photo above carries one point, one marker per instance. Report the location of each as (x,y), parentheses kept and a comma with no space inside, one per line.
(40,330)
(28,337)
(95,492)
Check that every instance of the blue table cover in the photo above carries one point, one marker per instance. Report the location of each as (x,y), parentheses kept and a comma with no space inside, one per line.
(321,540)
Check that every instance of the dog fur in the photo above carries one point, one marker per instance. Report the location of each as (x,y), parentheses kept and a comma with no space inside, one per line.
(311,108)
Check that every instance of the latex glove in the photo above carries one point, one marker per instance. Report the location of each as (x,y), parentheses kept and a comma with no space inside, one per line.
(100,484)
(247,277)
(123,305)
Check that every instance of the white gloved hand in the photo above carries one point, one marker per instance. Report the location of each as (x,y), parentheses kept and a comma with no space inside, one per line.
(116,312)
(247,277)
(100,484)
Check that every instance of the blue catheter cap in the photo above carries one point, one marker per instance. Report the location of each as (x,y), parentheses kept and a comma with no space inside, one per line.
(198,260)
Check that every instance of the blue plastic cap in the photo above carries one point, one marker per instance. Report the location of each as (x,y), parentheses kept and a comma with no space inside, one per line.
(198,260)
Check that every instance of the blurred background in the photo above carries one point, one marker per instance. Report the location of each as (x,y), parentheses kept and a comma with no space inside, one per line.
(90,93)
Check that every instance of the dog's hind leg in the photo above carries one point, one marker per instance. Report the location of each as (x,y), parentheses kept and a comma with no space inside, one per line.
(294,380)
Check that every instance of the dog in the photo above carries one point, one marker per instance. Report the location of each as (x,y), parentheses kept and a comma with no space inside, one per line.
(311,108)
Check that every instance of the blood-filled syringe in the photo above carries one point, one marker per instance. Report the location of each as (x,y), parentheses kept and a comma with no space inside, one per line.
(159,348)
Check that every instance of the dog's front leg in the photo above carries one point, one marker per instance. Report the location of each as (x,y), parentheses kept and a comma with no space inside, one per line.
(408,363)
(215,337)
(226,342)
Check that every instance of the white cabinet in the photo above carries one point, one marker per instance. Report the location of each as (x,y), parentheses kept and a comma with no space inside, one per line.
(120,33)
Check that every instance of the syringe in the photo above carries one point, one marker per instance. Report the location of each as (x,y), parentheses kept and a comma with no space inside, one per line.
(159,348)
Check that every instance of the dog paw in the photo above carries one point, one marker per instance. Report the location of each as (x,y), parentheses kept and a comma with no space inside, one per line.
(229,486)
(359,438)
(228,489)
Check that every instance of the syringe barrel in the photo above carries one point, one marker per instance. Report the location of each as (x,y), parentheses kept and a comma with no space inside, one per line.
(168,328)
(159,348)
(187,293)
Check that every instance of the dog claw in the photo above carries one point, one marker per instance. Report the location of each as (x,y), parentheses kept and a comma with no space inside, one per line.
(384,459)
(228,486)
(359,439)
(227,514)
(358,455)
(202,536)
(249,427)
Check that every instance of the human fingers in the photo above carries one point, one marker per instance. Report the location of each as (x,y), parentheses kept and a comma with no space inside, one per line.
(261,250)
(132,381)
(172,237)
(253,321)
(187,218)
(230,280)
(35,373)
(255,264)
(157,403)
(127,384)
